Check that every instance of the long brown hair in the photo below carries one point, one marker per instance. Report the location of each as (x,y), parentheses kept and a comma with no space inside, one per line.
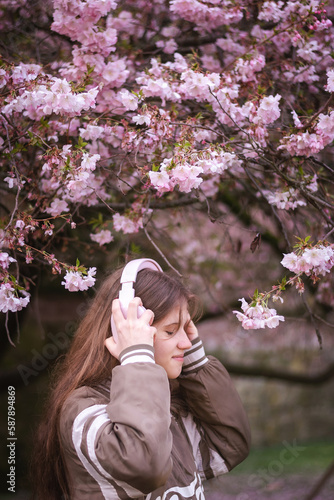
(88,362)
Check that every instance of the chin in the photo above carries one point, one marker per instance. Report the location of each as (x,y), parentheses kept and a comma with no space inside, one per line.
(174,374)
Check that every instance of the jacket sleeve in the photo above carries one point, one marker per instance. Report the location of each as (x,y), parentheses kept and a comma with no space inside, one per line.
(125,443)
(222,425)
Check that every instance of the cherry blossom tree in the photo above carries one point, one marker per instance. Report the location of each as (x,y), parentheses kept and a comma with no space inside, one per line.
(199,130)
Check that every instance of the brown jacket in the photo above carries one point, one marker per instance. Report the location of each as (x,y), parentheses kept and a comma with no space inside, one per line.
(121,441)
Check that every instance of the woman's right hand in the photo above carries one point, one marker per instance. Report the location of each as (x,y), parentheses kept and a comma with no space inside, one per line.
(131,330)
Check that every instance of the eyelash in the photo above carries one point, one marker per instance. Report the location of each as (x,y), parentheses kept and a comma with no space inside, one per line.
(170,333)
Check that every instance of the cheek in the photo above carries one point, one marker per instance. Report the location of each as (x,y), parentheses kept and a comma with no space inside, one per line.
(157,348)
(161,349)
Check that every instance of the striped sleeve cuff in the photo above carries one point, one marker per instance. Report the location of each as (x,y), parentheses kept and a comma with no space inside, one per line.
(141,353)
(194,357)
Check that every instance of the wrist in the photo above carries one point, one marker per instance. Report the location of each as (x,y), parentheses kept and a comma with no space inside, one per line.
(139,353)
(194,357)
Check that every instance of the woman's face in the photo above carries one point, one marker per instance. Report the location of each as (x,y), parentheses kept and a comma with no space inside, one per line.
(171,340)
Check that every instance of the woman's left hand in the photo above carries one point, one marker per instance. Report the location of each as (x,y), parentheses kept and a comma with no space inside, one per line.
(191,331)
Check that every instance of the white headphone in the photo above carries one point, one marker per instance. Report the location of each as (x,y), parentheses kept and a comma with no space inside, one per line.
(127,292)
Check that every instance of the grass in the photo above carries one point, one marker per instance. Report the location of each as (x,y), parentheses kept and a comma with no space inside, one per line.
(307,458)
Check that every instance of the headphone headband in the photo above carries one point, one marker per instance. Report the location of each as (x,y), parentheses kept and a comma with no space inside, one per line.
(132,268)
(129,276)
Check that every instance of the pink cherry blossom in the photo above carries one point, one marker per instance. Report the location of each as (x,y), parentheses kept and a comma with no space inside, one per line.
(129,100)
(91,132)
(75,281)
(12,182)
(6,260)
(285,200)
(318,260)
(330,80)
(103,237)
(141,119)
(325,127)
(57,207)
(268,111)
(271,11)
(241,118)
(3,78)
(161,181)
(197,85)
(303,144)
(126,225)
(257,316)
(89,161)
(245,70)
(296,119)
(26,72)
(168,46)
(187,177)
(115,72)
(207,14)
(10,300)
(19,224)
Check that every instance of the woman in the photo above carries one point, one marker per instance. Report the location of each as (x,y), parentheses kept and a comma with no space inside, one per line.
(148,416)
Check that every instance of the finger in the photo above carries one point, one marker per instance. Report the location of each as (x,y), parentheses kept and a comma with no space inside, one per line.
(132,312)
(154,334)
(148,316)
(191,330)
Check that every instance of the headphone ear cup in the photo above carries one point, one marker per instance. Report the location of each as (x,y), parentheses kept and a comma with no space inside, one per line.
(141,310)
(127,292)
(113,329)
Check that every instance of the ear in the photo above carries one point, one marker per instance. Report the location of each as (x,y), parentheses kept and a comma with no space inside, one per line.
(111,346)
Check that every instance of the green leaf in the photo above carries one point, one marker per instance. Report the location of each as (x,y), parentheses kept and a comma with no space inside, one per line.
(81,143)
(283,283)
(44,122)
(136,249)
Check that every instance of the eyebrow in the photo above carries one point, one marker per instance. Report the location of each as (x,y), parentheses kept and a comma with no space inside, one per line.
(177,323)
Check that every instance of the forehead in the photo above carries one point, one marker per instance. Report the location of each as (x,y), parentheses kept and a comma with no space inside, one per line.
(177,315)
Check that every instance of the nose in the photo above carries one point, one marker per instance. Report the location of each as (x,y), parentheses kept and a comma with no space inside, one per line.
(184,342)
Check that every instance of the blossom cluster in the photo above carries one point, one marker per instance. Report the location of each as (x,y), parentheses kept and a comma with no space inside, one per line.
(6,260)
(143,104)
(257,315)
(102,237)
(132,221)
(79,20)
(314,261)
(212,14)
(75,281)
(54,96)
(68,177)
(10,299)
(187,171)
(290,198)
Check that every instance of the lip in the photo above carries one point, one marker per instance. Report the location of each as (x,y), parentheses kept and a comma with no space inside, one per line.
(179,358)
